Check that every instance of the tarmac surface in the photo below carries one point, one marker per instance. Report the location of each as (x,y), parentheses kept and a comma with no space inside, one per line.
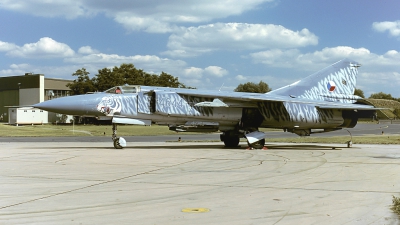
(197,183)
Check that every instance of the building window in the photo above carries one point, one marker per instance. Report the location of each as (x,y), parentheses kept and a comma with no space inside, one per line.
(51,94)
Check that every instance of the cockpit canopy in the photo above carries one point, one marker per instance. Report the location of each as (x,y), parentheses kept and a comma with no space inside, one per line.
(126,89)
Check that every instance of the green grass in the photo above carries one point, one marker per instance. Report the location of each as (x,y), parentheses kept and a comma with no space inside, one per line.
(130,130)
(371,139)
(81,130)
(392,107)
(396,205)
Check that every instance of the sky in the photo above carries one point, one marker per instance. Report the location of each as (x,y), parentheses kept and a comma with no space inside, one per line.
(207,44)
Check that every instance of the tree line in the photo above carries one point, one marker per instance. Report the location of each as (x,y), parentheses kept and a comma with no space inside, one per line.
(107,78)
(379,95)
(262,87)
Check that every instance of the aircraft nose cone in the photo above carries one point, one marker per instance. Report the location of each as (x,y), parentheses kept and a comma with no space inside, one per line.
(72,105)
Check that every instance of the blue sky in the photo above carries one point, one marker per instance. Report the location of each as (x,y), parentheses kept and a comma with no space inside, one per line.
(207,43)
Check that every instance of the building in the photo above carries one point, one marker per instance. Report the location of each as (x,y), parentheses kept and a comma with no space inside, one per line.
(26,90)
(27,115)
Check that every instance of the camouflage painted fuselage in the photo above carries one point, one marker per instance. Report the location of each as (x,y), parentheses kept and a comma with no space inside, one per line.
(323,100)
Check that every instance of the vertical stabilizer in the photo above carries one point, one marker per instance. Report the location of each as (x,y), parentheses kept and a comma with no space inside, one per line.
(337,81)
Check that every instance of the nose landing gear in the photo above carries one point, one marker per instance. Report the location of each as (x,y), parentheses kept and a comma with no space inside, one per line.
(119,142)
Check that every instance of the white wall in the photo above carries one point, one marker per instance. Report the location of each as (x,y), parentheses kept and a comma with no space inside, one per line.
(27,115)
(41,86)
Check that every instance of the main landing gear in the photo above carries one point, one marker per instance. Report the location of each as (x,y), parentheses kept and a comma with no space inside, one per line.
(255,140)
(119,142)
(231,141)
(257,145)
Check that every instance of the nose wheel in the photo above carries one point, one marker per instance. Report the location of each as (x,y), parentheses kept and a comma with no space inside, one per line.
(119,142)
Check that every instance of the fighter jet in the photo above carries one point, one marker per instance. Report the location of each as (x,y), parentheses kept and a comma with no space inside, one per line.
(321,102)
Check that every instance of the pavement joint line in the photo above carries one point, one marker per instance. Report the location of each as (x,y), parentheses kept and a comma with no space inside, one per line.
(277,188)
(65,159)
(93,185)
(51,178)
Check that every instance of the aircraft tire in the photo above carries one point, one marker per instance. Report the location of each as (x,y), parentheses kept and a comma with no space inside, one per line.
(116,144)
(231,141)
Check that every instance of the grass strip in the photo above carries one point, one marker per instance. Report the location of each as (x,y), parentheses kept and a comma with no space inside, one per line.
(370,139)
(396,205)
(82,130)
(131,130)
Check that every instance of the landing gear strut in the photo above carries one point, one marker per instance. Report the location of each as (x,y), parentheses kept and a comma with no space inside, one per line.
(119,142)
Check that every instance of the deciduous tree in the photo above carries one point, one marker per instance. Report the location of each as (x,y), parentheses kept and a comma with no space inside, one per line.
(124,74)
(381,95)
(82,84)
(359,92)
(261,87)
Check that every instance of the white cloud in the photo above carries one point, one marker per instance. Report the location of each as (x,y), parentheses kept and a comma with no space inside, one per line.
(378,72)
(241,78)
(160,16)
(5,46)
(293,58)
(193,72)
(16,69)
(63,71)
(392,27)
(194,76)
(388,82)
(44,48)
(149,63)
(151,25)
(88,57)
(194,41)
(87,50)
(152,16)
(114,58)
(45,8)
(276,57)
(216,71)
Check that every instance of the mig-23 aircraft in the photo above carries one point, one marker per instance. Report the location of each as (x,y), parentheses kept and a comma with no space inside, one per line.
(321,102)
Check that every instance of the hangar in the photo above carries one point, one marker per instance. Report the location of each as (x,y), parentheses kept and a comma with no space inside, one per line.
(26,90)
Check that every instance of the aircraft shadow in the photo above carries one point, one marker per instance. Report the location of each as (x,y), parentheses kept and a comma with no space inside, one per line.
(242,147)
(211,146)
(303,147)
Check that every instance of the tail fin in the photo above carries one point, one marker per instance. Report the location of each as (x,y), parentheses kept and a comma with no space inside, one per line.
(333,82)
